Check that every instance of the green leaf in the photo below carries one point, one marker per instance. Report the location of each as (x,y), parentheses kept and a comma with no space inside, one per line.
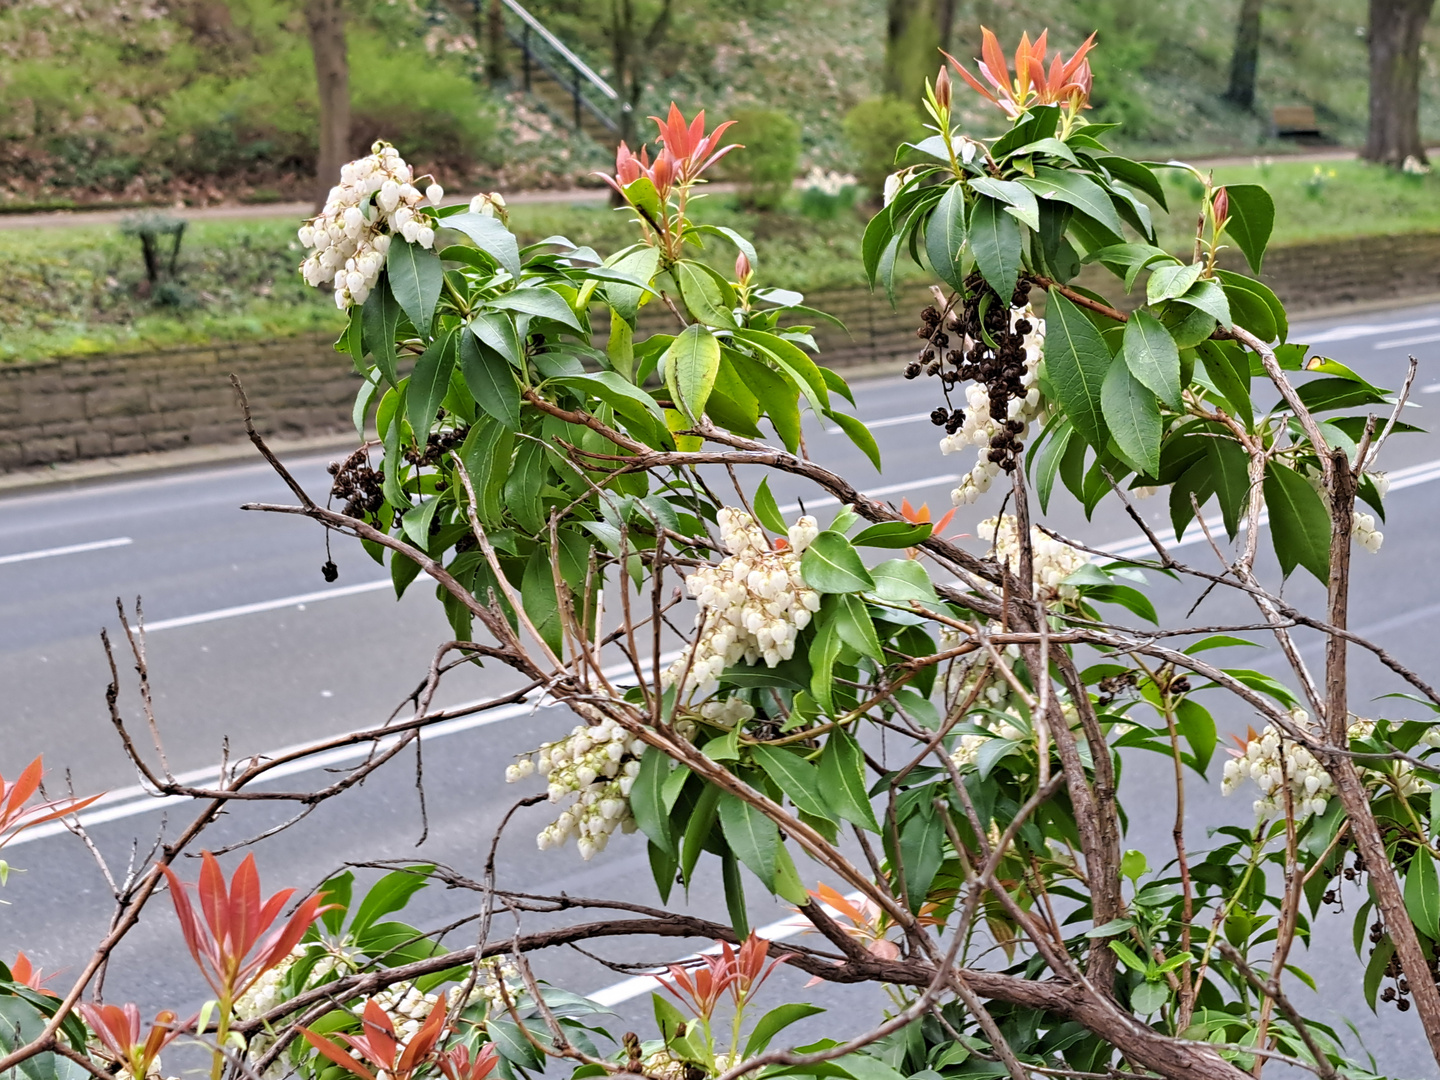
(856,628)
(751,835)
(795,363)
(647,801)
(795,776)
(775,1021)
(823,650)
(842,772)
(380,318)
(922,850)
(542,605)
(491,381)
(429,383)
(1252,217)
(630,403)
(901,580)
(491,237)
(486,454)
(702,296)
(415,278)
(1048,462)
(416,522)
(1230,467)
(1133,864)
(995,243)
(498,331)
(1198,727)
(1235,283)
(1133,417)
(691,365)
(832,565)
(1135,174)
(945,237)
(1375,968)
(1299,523)
(523,486)
(1169,281)
(858,434)
(1209,297)
(1153,358)
(388,895)
(878,235)
(540,302)
(1078,191)
(640,264)
(1077,361)
(1110,929)
(766,510)
(1148,997)
(1019,198)
(1052,146)
(892,534)
(1422,894)
(1229,370)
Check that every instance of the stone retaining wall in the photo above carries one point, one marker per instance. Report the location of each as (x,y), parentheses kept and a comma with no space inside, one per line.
(98,406)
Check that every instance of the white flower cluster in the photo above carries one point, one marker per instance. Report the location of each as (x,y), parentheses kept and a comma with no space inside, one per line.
(1362,525)
(408,1008)
(267,991)
(1270,760)
(978,428)
(375,200)
(827,182)
(1413,166)
(490,205)
(1051,561)
(596,764)
(753,604)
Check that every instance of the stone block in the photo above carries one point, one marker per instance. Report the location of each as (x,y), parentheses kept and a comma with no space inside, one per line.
(113,400)
(93,444)
(127,444)
(47,451)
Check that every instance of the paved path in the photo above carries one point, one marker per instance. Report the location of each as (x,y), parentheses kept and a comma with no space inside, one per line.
(247,641)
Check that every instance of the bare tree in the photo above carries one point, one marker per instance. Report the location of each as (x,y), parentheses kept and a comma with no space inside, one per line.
(630,42)
(1397,28)
(326,22)
(1244,62)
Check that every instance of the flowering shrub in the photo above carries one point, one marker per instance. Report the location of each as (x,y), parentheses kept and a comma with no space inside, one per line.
(862,700)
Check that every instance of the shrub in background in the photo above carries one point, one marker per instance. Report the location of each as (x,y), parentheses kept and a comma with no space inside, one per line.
(772,155)
(873,129)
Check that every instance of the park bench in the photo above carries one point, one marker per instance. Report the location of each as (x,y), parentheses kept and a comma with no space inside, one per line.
(1294,122)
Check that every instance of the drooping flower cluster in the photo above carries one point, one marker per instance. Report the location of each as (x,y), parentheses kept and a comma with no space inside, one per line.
(269,989)
(408,1007)
(1274,763)
(980,429)
(375,200)
(753,604)
(1362,525)
(597,765)
(1051,561)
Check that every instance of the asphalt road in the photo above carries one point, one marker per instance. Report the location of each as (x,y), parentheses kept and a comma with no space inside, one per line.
(248,642)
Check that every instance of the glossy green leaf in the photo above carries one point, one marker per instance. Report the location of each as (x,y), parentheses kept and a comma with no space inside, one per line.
(775,1021)
(995,243)
(832,565)
(795,776)
(795,362)
(751,835)
(945,237)
(1016,196)
(647,801)
(380,319)
(1171,280)
(1229,369)
(892,534)
(1047,463)
(538,302)
(486,453)
(1299,522)
(1198,727)
(1061,185)
(1208,297)
(922,850)
(415,277)
(1133,416)
(542,605)
(1153,358)
(767,512)
(856,628)
(1077,361)
(1230,468)
(901,580)
(824,648)
(691,364)
(429,383)
(389,895)
(842,771)
(860,435)
(491,237)
(702,296)
(1422,894)
(497,330)
(491,381)
(1252,217)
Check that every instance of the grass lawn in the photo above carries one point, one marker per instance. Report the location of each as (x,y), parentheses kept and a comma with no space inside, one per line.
(75,289)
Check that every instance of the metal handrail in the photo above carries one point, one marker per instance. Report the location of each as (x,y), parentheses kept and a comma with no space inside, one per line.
(569,57)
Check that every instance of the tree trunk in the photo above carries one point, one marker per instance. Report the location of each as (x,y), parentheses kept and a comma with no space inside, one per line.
(326,19)
(1246,59)
(1396,31)
(915,32)
(494,43)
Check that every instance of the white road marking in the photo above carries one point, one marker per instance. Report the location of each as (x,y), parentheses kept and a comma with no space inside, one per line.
(69,549)
(1433,388)
(889,421)
(1423,339)
(888,489)
(1360,330)
(267,605)
(138,798)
